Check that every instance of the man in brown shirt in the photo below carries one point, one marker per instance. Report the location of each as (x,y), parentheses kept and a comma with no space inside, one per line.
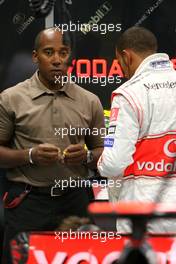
(44,127)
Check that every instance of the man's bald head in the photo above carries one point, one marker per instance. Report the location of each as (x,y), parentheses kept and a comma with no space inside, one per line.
(138,39)
(47,33)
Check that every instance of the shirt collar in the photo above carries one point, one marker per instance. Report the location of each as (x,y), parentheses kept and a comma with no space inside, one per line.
(38,88)
(69,90)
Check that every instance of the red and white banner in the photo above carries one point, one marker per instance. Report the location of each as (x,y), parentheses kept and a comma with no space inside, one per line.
(49,249)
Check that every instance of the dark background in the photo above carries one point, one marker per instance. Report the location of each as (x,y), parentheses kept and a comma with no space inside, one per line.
(16,47)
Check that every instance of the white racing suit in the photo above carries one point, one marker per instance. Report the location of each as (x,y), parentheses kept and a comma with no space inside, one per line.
(141,143)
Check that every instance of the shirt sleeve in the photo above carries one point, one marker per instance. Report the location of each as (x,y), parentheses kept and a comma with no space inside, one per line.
(119,144)
(6,119)
(97,127)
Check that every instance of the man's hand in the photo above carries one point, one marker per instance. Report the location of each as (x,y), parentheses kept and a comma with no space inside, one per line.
(74,154)
(46,154)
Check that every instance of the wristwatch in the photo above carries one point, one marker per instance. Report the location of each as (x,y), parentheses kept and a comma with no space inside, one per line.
(89,156)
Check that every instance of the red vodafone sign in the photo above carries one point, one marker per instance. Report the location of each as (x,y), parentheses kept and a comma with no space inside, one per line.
(86,67)
(49,249)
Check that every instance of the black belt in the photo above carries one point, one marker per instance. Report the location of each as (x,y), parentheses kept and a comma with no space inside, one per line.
(52,191)
(45,190)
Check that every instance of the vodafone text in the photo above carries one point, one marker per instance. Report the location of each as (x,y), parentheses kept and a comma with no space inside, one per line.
(163,165)
(158,166)
(155,156)
(63,257)
(86,67)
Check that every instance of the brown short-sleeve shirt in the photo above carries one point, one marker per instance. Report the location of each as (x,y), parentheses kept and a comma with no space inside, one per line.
(31,114)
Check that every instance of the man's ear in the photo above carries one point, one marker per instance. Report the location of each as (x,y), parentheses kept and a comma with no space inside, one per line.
(127,57)
(34,56)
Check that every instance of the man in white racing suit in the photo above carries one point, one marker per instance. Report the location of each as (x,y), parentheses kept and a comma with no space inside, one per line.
(141,143)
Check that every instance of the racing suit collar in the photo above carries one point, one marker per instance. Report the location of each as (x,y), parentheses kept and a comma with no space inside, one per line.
(154,61)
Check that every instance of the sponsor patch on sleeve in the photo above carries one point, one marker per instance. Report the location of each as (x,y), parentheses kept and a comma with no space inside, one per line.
(111,130)
(114,114)
(109,142)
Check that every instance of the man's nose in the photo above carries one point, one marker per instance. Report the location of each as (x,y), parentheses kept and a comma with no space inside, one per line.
(56,60)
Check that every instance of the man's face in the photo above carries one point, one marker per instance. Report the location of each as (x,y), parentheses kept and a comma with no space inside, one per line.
(51,57)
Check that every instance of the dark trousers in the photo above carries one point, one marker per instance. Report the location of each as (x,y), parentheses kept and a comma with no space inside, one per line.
(3,183)
(42,212)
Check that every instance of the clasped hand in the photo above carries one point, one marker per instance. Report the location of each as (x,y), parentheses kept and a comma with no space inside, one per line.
(47,154)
